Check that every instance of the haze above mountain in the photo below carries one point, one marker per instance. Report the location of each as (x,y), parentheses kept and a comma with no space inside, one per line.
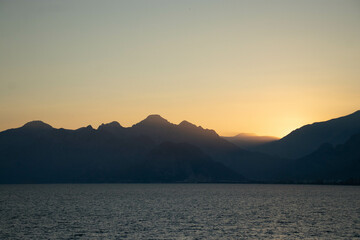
(248,140)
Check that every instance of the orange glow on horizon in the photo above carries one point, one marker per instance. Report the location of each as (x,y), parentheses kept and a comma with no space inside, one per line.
(239,66)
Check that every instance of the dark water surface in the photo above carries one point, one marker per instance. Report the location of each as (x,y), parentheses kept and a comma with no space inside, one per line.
(179,211)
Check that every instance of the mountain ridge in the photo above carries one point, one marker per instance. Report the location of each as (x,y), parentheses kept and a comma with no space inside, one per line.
(308,138)
(39,153)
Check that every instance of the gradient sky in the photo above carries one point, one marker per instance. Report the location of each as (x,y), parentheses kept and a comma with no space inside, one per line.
(265,67)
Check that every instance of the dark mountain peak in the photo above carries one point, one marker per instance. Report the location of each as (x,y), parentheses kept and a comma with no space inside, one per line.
(187,124)
(37,125)
(110,126)
(156,118)
(153,120)
(88,128)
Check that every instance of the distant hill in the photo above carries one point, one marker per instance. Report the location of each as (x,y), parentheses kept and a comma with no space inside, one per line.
(38,153)
(308,138)
(329,164)
(249,140)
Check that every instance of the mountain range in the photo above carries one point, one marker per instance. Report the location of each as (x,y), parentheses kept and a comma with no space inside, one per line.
(155,150)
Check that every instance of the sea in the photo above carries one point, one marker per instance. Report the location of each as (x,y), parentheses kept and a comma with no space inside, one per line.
(179,211)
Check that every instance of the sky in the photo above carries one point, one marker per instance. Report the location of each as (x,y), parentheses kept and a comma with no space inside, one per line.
(257,66)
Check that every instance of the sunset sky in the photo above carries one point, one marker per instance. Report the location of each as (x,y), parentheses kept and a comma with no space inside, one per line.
(264,67)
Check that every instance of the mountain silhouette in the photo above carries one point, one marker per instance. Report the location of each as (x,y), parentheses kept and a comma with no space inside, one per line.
(155,150)
(110,127)
(329,163)
(38,153)
(308,138)
(160,130)
(37,125)
(153,120)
